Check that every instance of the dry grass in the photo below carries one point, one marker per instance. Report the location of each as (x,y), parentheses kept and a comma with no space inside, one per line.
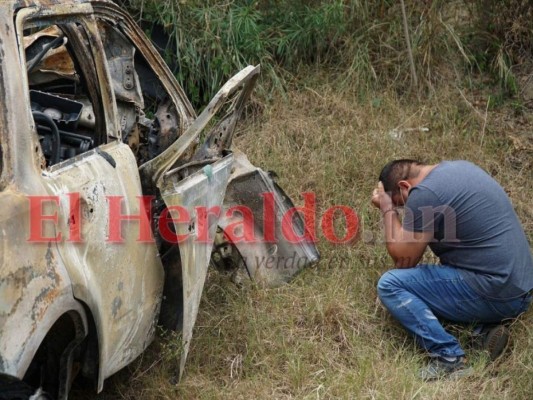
(324,335)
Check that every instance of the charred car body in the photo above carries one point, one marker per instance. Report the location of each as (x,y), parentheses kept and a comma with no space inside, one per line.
(91,115)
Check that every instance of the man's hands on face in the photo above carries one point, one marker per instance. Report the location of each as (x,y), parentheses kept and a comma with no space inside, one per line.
(406,248)
(381,199)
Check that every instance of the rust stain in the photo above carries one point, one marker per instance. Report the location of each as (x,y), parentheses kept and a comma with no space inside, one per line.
(59,62)
(12,285)
(51,266)
(44,299)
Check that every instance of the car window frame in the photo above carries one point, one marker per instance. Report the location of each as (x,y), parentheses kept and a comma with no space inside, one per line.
(83,15)
(145,47)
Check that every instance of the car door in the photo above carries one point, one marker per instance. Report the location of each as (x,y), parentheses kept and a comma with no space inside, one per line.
(196,188)
(92,183)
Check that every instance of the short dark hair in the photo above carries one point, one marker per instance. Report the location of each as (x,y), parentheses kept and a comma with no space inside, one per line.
(395,171)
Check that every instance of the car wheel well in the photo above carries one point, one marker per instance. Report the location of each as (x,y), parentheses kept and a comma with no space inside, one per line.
(91,352)
(62,338)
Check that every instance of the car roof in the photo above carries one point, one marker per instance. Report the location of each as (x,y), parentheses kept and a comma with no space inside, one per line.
(17,4)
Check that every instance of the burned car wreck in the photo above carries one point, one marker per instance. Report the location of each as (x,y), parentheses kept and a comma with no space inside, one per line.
(116,197)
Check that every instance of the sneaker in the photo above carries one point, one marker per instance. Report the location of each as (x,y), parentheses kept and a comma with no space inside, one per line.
(440,368)
(495,340)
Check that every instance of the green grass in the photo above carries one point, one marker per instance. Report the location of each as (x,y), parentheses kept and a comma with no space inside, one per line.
(325,335)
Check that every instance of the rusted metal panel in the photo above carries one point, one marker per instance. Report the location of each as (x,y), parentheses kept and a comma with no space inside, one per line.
(198,189)
(120,282)
(153,170)
(111,12)
(56,63)
(120,56)
(269,261)
(34,286)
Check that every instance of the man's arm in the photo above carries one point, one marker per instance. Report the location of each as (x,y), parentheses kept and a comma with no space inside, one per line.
(405,247)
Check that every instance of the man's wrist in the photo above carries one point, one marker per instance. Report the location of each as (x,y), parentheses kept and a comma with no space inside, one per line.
(388,210)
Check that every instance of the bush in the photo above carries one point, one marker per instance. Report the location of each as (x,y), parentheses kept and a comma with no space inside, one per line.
(502,37)
(360,42)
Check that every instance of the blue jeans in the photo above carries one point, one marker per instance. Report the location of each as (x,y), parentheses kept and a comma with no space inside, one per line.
(416,297)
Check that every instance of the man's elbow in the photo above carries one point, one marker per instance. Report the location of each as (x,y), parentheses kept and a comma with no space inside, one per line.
(401,258)
(405,262)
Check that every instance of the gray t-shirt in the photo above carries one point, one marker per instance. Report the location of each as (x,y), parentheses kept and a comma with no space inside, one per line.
(475,228)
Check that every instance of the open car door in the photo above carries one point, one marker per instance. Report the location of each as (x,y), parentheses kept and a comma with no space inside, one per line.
(192,181)
(200,181)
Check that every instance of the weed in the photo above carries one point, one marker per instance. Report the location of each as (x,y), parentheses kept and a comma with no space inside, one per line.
(359,40)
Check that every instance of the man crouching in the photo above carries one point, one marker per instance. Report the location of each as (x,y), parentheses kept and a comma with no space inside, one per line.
(485,273)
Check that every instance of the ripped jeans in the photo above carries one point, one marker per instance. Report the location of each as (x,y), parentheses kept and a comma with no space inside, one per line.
(418,296)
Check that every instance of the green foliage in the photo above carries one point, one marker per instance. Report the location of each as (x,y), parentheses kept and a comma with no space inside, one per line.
(360,42)
(212,41)
(501,38)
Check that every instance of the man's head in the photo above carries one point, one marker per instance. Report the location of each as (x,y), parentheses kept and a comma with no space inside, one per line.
(397,178)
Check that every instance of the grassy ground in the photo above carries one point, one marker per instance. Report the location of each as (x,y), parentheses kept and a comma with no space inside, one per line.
(325,335)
